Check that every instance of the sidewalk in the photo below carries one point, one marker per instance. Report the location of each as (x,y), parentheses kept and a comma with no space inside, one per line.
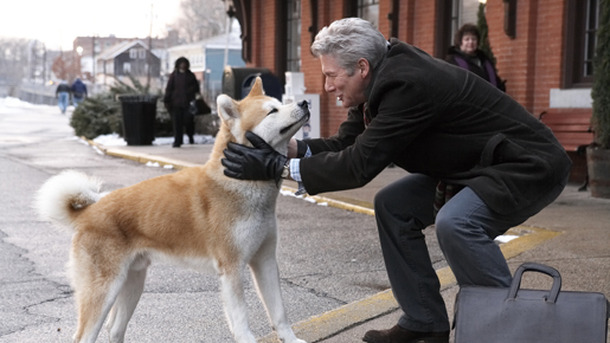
(571,235)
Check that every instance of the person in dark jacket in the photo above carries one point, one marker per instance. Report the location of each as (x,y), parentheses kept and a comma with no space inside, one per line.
(182,88)
(62,94)
(466,54)
(443,125)
(79,92)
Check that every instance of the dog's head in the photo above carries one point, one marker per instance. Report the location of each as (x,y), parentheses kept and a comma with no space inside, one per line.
(267,117)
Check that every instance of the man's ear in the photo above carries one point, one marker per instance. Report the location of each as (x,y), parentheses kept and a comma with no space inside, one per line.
(364,67)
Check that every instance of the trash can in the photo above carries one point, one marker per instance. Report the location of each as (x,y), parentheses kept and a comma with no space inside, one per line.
(139,113)
(233,79)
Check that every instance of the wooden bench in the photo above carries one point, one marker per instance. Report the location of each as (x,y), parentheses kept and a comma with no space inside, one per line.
(572,127)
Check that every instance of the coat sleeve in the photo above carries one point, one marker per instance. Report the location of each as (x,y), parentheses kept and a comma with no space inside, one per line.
(400,112)
(167,98)
(345,136)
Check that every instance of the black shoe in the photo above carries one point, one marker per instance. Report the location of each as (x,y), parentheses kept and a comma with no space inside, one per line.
(176,145)
(191,140)
(400,335)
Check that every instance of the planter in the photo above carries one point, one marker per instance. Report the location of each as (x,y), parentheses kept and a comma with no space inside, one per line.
(598,166)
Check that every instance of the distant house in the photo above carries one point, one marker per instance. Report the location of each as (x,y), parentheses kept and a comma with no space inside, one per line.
(131,58)
(207,58)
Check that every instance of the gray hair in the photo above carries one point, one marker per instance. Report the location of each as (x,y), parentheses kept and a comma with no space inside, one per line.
(348,40)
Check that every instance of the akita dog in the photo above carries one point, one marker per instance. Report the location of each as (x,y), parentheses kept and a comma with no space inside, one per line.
(197,216)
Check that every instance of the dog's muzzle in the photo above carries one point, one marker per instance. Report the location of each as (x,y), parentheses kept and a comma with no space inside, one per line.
(305,107)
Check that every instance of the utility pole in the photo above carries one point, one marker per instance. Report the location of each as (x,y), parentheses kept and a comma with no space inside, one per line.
(149,52)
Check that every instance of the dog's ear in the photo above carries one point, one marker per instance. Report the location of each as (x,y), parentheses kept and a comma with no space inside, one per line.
(227,108)
(257,88)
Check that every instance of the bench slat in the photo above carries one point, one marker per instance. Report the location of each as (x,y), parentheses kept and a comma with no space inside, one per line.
(573,130)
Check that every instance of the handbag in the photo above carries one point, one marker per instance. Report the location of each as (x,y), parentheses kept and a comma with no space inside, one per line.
(511,315)
(199,107)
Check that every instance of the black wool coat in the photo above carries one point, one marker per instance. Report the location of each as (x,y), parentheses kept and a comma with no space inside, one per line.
(181,89)
(428,116)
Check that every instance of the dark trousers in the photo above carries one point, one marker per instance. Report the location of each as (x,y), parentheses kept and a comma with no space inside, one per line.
(465,228)
(182,118)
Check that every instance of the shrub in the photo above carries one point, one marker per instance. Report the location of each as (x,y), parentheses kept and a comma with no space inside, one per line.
(601,85)
(97,115)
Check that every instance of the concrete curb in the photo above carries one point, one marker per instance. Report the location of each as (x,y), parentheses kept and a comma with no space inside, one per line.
(140,157)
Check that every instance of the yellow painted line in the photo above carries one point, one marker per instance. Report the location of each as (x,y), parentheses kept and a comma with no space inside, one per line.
(335,203)
(533,237)
(140,157)
(144,158)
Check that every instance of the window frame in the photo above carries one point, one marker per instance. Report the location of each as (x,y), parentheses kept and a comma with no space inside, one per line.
(367,10)
(447,24)
(577,52)
(293,40)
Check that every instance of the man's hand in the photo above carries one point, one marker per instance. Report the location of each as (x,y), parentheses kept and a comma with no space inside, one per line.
(261,162)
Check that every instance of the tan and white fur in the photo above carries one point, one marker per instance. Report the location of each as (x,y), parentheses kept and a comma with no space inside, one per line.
(197,216)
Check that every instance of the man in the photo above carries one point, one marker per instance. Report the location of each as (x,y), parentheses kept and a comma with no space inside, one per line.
(79,92)
(451,130)
(62,94)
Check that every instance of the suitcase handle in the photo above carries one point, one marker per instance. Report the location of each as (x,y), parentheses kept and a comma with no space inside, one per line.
(530,266)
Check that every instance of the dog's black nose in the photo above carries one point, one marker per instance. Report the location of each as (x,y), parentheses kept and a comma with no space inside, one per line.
(303,104)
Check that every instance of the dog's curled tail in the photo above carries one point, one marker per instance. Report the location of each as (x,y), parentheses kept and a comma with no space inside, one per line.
(62,196)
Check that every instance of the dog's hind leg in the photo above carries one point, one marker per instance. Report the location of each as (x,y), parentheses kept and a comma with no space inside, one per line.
(94,296)
(127,300)
(232,292)
(266,276)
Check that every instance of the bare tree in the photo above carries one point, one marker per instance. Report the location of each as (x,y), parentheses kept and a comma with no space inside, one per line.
(200,19)
(13,60)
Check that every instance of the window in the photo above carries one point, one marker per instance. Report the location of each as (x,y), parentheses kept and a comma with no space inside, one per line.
(293,36)
(447,24)
(126,68)
(583,17)
(133,54)
(369,10)
(142,54)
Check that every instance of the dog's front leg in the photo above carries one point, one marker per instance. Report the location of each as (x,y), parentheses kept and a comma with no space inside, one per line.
(232,292)
(266,276)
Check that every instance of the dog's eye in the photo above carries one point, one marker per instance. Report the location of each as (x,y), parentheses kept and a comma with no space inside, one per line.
(272,111)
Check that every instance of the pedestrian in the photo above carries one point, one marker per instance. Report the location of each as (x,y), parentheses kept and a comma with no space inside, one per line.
(62,94)
(444,127)
(466,54)
(182,88)
(79,91)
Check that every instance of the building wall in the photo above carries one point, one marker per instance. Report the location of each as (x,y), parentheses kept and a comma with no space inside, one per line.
(532,61)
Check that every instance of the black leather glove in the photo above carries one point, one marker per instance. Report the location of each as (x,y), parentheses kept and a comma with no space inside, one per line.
(301,148)
(261,162)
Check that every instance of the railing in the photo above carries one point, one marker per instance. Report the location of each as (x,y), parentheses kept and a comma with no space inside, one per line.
(37,93)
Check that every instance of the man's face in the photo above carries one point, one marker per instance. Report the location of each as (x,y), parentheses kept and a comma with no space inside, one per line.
(350,90)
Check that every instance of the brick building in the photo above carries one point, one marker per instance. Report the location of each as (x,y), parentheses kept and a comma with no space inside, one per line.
(543,47)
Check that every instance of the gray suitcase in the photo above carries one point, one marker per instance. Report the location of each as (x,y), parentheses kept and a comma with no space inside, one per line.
(510,315)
